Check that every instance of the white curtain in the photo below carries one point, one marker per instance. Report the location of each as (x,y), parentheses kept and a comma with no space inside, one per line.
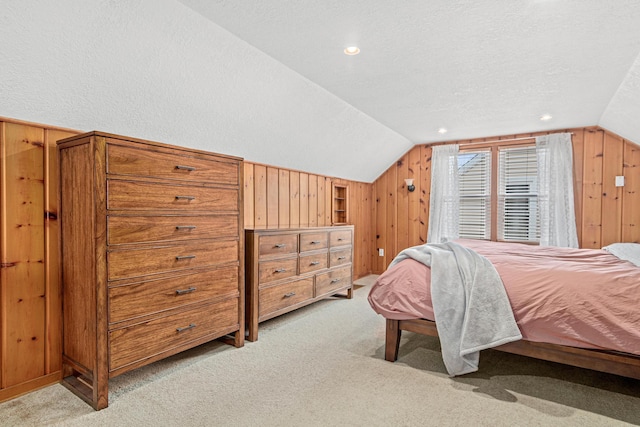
(444,205)
(555,191)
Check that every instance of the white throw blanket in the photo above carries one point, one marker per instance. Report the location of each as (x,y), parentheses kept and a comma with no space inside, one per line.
(470,305)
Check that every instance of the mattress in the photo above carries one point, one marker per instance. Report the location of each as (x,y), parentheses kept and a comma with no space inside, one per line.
(586,298)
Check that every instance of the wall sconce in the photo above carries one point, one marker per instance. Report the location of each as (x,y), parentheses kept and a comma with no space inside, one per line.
(410,185)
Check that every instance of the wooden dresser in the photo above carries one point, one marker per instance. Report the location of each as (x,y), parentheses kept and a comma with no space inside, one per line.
(152,255)
(289,268)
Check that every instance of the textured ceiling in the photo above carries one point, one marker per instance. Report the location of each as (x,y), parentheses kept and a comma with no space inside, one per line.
(477,68)
(267,80)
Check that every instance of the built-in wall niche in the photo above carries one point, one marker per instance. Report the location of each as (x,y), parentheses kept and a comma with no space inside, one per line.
(340,200)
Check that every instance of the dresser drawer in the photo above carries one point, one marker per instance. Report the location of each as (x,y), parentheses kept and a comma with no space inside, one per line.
(333,280)
(313,261)
(276,269)
(138,195)
(154,296)
(340,238)
(140,229)
(144,340)
(313,241)
(277,245)
(162,259)
(282,296)
(179,166)
(339,257)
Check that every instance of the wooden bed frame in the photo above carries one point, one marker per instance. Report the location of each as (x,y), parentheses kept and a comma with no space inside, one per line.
(624,364)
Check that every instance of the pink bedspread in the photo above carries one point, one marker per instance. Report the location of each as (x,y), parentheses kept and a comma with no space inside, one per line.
(577,297)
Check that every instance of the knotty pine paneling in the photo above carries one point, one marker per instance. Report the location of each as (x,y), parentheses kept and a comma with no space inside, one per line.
(612,166)
(294,199)
(313,201)
(402,217)
(249,196)
(592,189)
(259,214)
(53,315)
(604,213)
(304,200)
(413,203)
(22,272)
(390,227)
(282,198)
(362,216)
(402,222)
(30,305)
(631,193)
(425,193)
(386,216)
(609,214)
(380,191)
(272,197)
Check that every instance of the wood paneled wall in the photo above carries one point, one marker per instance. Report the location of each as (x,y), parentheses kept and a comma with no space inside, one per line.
(402,217)
(610,214)
(283,198)
(604,213)
(386,216)
(30,305)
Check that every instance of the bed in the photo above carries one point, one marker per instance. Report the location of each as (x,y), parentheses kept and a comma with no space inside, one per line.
(574,306)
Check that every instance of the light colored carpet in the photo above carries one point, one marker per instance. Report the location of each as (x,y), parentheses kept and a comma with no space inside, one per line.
(323,365)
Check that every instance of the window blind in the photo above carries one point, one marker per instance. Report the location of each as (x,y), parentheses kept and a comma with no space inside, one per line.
(474,173)
(518,195)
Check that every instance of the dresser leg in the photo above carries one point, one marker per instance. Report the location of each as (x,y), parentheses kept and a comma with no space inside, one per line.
(252,334)
(239,338)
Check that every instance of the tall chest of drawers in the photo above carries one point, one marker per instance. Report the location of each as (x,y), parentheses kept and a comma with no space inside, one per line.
(289,268)
(152,255)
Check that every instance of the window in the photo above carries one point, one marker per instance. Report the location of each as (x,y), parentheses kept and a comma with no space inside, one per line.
(502,207)
(518,195)
(474,173)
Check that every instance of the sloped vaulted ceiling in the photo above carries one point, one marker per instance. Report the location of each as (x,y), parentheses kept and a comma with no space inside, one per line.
(267,80)
(477,68)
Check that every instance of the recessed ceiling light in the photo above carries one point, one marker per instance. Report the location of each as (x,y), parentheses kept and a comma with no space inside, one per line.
(546,117)
(442,130)
(352,50)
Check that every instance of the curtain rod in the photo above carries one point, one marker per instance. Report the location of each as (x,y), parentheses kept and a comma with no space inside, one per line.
(505,140)
(498,140)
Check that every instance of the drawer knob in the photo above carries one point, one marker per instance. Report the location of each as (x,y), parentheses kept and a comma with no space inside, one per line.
(335,280)
(185,197)
(185,168)
(185,227)
(186,328)
(289,294)
(314,262)
(185,291)
(181,257)
(314,242)
(280,245)
(342,257)
(340,239)
(280,270)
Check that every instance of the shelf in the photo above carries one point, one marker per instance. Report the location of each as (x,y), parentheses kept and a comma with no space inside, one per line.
(340,204)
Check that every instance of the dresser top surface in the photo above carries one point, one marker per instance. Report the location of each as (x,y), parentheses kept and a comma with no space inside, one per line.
(96,133)
(300,230)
